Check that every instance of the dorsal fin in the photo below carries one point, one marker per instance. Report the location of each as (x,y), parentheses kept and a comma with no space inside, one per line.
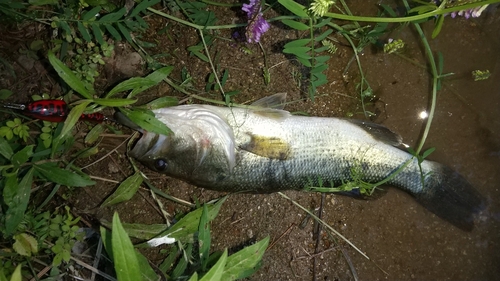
(378,132)
(276,101)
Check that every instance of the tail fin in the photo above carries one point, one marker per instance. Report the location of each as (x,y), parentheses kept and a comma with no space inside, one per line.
(452,198)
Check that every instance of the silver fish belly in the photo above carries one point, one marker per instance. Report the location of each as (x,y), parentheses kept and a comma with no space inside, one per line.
(268,150)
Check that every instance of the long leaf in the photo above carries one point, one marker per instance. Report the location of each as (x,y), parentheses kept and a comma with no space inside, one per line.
(146,120)
(245,262)
(142,7)
(295,24)
(125,191)
(115,102)
(73,117)
(19,203)
(140,231)
(83,31)
(92,13)
(116,35)
(61,176)
(5,149)
(68,76)
(188,225)
(297,43)
(156,77)
(294,7)
(204,238)
(125,258)
(215,273)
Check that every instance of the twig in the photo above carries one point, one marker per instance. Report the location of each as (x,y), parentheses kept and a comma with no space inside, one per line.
(281,236)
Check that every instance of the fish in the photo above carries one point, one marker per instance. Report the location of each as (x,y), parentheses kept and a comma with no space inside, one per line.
(263,148)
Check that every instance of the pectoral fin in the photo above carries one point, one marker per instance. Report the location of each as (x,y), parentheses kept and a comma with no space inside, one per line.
(270,147)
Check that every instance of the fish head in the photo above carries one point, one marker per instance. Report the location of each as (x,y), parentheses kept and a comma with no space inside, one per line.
(201,141)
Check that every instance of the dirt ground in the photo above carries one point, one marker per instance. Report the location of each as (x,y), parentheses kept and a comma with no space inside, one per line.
(402,239)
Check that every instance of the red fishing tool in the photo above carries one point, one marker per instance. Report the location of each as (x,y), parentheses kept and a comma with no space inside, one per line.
(52,110)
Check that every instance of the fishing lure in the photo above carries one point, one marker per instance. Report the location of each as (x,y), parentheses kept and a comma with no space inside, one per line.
(52,111)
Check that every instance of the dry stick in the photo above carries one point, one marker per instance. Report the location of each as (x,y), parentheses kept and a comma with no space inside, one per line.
(93,269)
(107,154)
(97,258)
(281,236)
(318,234)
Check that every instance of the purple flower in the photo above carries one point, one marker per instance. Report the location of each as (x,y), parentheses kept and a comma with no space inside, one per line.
(474,12)
(257,25)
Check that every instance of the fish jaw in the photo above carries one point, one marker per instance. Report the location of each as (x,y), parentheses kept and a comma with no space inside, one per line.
(198,134)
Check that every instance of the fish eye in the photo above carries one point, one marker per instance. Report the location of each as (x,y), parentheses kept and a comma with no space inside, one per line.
(160,164)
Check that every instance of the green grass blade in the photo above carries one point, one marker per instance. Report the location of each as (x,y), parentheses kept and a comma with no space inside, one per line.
(5,149)
(215,273)
(295,25)
(15,213)
(245,262)
(68,76)
(125,258)
(125,191)
(61,176)
(294,7)
(73,117)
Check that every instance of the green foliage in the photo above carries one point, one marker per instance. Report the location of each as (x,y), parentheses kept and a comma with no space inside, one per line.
(87,60)
(14,128)
(190,256)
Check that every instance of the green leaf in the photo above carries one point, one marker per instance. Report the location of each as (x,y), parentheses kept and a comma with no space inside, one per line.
(194,277)
(25,244)
(11,187)
(146,120)
(199,54)
(92,13)
(157,76)
(15,213)
(113,17)
(140,231)
(148,274)
(73,117)
(97,33)
(115,102)
(139,84)
(16,276)
(68,76)
(245,262)
(5,93)
(5,149)
(161,103)
(322,23)
(94,134)
(42,2)
(125,191)
(319,68)
(116,35)
(305,62)
(142,7)
(323,35)
(125,258)
(22,156)
(61,176)
(428,152)
(204,237)
(300,52)
(83,31)
(295,8)
(295,24)
(297,43)
(215,273)
(124,31)
(188,225)
(438,27)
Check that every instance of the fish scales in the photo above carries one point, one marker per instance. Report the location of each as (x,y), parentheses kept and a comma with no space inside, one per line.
(267,150)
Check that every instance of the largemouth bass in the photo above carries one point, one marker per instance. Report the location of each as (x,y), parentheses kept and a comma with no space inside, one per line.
(265,149)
